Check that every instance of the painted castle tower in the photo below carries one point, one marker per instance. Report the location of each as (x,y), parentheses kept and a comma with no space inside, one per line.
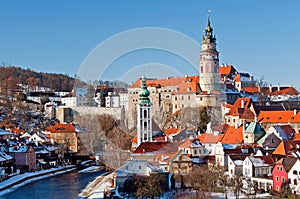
(144,122)
(209,62)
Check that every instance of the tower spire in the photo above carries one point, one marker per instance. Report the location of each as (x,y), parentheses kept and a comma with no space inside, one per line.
(208,17)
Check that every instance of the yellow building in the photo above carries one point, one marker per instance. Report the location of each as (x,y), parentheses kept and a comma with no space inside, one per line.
(66,135)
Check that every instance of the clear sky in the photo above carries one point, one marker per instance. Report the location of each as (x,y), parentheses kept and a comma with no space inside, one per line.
(259,37)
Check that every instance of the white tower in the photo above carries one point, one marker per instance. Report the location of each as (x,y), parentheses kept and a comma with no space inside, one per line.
(209,61)
(144,122)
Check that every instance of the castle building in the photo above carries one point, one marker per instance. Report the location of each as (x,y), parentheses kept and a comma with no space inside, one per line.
(209,62)
(174,93)
(144,119)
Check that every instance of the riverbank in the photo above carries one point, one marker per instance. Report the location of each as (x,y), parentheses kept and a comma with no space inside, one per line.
(17,181)
(96,188)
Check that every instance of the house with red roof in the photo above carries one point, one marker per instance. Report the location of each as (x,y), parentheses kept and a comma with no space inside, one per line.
(242,80)
(272,118)
(241,111)
(209,142)
(227,73)
(287,148)
(280,172)
(161,91)
(232,135)
(281,94)
(165,155)
(171,132)
(192,148)
(66,135)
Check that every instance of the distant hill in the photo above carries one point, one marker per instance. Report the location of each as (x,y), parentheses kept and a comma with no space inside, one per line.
(11,76)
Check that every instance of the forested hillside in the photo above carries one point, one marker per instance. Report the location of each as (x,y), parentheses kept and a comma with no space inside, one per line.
(11,76)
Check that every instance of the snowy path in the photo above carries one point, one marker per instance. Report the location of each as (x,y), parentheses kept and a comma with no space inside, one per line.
(20,180)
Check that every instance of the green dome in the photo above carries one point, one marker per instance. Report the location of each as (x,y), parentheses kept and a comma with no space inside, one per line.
(144,93)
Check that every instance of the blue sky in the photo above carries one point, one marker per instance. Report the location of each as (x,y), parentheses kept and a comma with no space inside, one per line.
(259,37)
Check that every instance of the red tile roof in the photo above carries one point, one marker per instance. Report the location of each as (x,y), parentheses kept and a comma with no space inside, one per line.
(233,135)
(209,138)
(278,117)
(226,70)
(250,89)
(286,147)
(62,128)
(191,86)
(17,131)
(241,108)
(173,81)
(171,131)
(147,147)
(285,91)
(297,137)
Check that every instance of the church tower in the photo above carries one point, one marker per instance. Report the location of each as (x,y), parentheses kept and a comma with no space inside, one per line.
(144,121)
(209,61)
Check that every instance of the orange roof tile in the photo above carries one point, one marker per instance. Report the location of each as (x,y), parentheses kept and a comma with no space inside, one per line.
(208,138)
(285,91)
(146,147)
(17,131)
(297,136)
(226,70)
(191,86)
(173,81)
(251,89)
(237,78)
(286,147)
(134,139)
(278,117)
(171,131)
(62,128)
(233,135)
(241,107)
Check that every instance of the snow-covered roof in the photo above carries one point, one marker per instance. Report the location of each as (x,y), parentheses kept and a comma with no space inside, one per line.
(20,149)
(3,132)
(259,161)
(238,162)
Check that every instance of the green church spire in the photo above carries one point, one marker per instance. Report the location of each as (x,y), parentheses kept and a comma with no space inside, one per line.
(144,93)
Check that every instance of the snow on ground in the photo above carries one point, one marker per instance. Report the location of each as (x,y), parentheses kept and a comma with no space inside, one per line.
(16,178)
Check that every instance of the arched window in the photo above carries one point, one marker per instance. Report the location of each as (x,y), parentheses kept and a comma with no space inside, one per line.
(145,114)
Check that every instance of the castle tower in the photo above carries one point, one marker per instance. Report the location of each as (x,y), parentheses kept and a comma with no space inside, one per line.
(144,122)
(209,61)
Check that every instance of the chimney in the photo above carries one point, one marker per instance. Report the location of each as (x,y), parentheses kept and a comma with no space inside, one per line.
(242,103)
(278,87)
(236,126)
(270,88)
(295,112)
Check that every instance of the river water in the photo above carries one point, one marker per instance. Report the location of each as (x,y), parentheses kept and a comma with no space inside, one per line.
(63,186)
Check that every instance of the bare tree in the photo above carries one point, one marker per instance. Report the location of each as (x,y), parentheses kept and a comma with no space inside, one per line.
(236,184)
